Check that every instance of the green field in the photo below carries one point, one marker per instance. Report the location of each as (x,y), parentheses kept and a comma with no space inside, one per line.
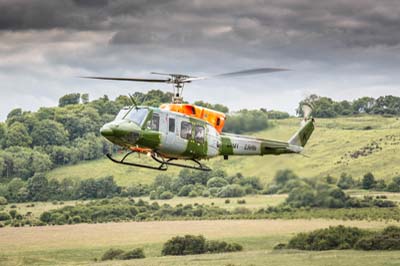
(329,151)
(81,244)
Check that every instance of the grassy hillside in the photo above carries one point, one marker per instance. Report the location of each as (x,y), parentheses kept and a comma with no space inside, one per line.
(354,145)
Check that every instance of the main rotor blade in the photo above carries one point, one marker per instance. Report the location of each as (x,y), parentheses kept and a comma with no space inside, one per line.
(130,79)
(250,72)
(238,73)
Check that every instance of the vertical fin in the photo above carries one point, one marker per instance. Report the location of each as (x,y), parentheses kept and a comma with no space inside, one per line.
(307,127)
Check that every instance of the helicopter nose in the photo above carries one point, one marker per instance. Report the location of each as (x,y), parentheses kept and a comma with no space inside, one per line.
(106,130)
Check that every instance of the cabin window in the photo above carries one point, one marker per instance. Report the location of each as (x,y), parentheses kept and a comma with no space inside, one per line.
(218,121)
(171,125)
(199,134)
(186,130)
(155,122)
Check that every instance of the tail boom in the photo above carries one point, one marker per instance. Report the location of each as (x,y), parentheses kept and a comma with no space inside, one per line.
(232,144)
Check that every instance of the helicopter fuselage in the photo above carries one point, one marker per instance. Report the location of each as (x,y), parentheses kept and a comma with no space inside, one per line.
(174,135)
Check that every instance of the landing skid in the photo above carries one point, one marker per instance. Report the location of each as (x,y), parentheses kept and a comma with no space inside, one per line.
(163,163)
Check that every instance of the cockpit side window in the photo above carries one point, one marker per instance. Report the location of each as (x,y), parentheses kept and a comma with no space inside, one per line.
(154,124)
(199,134)
(186,130)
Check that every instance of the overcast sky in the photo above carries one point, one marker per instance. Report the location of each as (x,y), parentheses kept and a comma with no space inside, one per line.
(341,49)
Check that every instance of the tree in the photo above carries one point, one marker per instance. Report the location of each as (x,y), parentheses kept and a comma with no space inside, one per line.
(38,187)
(345,181)
(13,189)
(49,132)
(368,181)
(69,99)
(14,116)
(18,136)
(3,135)
(394,186)
(85,98)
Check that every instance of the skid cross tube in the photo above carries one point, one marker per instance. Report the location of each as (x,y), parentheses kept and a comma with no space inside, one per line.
(200,167)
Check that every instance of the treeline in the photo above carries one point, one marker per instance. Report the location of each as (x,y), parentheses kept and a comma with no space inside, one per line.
(186,184)
(129,209)
(326,107)
(285,180)
(40,188)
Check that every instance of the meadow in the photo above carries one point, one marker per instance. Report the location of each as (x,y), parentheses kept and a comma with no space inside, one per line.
(355,145)
(81,244)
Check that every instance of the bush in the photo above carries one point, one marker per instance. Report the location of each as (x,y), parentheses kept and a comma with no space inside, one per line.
(337,237)
(4,216)
(388,239)
(186,245)
(190,244)
(153,195)
(192,194)
(112,254)
(3,201)
(136,253)
(215,246)
(166,195)
(217,182)
(231,191)
(241,201)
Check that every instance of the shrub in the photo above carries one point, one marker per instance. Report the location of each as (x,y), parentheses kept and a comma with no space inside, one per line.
(45,217)
(136,253)
(76,219)
(231,191)
(185,190)
(388,239)
(206,194)
(153,195)
(345,181)
(215,246)
(13,213)
(166,195)
(227,201)
(112,254)
(217,182)
(241,201)
(4,216)
(192,194)
(337,237)
(3,201)
(186,245)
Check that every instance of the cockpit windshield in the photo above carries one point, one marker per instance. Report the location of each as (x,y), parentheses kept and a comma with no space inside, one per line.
(122,113)
(137,115)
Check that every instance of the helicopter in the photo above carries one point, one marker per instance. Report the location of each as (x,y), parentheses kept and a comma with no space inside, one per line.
(177,131)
